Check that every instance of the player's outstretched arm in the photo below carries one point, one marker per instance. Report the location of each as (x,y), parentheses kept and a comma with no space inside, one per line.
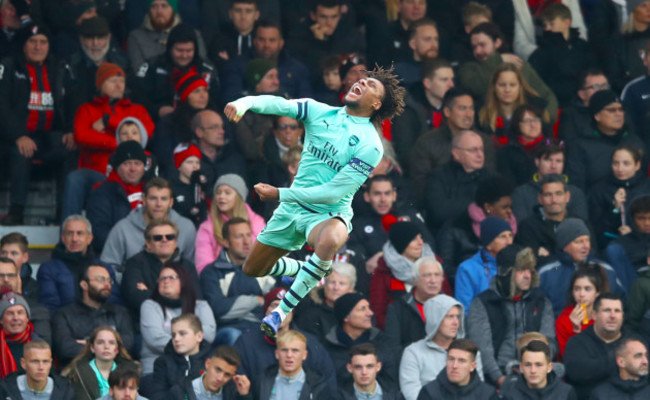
(265,104)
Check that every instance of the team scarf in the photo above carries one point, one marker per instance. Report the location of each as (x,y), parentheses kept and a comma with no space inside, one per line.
(8,363)
(133,192)
(41,102)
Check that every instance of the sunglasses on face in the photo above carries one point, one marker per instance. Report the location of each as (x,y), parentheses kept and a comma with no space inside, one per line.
(159,238)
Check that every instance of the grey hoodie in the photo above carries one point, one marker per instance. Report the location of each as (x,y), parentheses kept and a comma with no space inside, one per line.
(141,128)
(423,360)
(126,239)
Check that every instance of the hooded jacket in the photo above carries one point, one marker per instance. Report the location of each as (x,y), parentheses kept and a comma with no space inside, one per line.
(619,389)
(555,389)
(315,387)
(423,360)
(314,315)
(9,388)
(172,369)
(474,276)
(442,388)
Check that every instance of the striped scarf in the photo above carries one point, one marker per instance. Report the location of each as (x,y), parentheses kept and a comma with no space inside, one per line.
(7,361)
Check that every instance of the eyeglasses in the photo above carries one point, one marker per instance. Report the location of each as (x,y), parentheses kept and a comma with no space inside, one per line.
(167,278)
(531,121)
(8,276)
(289,126)
(159,238)
(102,279)
(597,86)
(472,150)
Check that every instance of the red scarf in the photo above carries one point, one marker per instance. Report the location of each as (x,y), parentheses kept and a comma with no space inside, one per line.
(499,140)
(41,102)
(530,147)
(133,192)
(7,361)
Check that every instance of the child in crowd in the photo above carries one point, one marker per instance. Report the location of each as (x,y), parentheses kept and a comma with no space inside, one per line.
(190,186)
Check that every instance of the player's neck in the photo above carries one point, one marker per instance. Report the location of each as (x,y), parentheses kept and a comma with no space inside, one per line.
(357,112)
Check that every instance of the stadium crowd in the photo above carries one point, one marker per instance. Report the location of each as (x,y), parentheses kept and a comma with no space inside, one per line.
(500,250)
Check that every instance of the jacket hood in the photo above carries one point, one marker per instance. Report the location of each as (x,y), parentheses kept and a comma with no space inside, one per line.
(435,310)
(136,218)
(143,131)
(630,386)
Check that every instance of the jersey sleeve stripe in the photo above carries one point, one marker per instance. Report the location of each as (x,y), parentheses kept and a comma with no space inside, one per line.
(299,116)
(306,113)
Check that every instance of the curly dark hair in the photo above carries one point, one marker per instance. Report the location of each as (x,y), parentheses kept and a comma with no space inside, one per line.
(393,102)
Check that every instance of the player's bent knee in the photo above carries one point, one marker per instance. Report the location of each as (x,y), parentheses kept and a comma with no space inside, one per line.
(253,270)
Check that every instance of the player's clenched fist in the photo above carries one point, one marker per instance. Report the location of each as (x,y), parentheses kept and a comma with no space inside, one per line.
(267,192)
(231,113)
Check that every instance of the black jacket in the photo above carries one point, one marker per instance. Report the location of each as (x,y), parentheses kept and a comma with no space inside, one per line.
(77,321)
(442,388)
(315,386)
(516,161)
(456,243)
(84,380)
(404,324)
(575,121)
(314,315)
(9,389)
(388,392)
(228,161)
(185,391)
(619,389)
(555,389)
(107,204)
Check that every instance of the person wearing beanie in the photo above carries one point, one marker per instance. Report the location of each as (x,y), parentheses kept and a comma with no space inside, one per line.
(474,274)
(261,76)
(159,77)
(190,185)
(229,196)
(495,318)
(394,274)
(585,166)
(10,19)
(15,330)
(573,241)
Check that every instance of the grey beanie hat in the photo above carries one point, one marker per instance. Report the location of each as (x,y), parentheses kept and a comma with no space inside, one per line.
(569,230)
(13,299)
(632,4)
(234,181)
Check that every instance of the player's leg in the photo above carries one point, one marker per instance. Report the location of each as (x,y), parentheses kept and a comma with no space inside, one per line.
(262,259)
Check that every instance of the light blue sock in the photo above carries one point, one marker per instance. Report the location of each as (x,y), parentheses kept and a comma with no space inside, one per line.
(286,267)
(308,277)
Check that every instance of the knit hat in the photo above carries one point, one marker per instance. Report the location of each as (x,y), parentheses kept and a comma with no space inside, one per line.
(344,304)
(95,26)
(569,230)
(183,151)
(632,4)
(188,83)
(172,3)
(275,294)
(401,233)
(602,99)
(255,71)
(21,6)
(129,150)
(105,71)
(23,34)
(234,181)
(13,299)
(491,227)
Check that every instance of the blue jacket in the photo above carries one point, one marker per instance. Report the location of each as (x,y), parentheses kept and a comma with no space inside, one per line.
(555,278)
(473,277)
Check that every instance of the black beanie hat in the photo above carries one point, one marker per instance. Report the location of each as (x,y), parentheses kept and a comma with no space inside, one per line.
(401,234)
(602,99)
(344,304)
(26,32)
(129,150)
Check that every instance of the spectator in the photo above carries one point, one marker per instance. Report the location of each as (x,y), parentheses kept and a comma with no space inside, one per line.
(538,230)
(127,238)
(450,188)
(97,124)
(290,379)
(537,377)
(631,380)
(268,44)
(639,303)
(74,323)
(609,200)
(16,329)
(39,316)
(508,90)
(490,50)
(405,319)
(364,365)
(237,303)
(123,385)
(58,278)
(34,379)
(575,119)
(474,274)
(433,148)
(316,313)
(424,41)
(114,198)
(394,274)
(635,96)
(585,286)
(573,240)
(142,271)
(423,360)
(219,379)
(148,41)
(219,155)
(512,306)
(184,357)
(585,166)
(229,201)
(236,39)
(354,326)
(36,124)
(103,352)
(423,110)
(472,14)
(174,295)
(258,350)
(15,247)
(189,185)
(561,53)
(459,377)
(10,19)
(589,356)
(516,159)
(549,159)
